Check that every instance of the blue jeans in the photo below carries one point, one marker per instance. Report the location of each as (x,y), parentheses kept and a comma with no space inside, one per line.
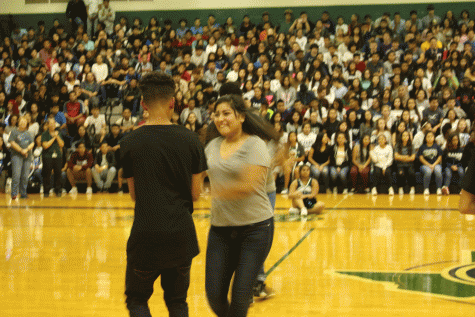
(427,172)
(238,251)
(139,288)
(20,173)
(324,173)
(342,175)
(449,172)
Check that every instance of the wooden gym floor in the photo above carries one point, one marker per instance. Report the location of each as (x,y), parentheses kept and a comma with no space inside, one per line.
(366,256)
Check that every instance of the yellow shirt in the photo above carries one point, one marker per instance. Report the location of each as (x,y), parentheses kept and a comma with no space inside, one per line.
(426,45)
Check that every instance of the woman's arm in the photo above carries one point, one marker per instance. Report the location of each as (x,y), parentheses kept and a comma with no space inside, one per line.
(245,185)
(310,157)
(315,188)
(293,193)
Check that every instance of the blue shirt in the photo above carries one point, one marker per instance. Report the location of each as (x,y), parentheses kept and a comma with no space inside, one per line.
(195,30)
(59,117)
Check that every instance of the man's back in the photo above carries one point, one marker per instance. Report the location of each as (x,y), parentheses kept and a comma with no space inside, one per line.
(162,160)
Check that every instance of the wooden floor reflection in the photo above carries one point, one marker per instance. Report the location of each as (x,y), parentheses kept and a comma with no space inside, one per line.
(366,256)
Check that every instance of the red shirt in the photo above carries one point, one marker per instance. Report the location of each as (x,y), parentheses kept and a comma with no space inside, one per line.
(73,109)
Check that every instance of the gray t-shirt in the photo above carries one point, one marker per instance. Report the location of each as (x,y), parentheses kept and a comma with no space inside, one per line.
(23,139)
(223,172)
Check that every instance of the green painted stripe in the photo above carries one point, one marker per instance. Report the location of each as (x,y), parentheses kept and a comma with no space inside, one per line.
(473,256)
(286,255)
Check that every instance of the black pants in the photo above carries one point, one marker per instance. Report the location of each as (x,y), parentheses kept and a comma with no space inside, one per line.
(238,251)
(52,164)
(139,288)
(378,176)
(406,173)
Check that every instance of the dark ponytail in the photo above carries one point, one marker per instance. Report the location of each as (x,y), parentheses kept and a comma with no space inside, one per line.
(253,123)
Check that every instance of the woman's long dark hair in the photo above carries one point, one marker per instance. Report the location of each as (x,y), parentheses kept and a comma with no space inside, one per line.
(253,123)
(319,140)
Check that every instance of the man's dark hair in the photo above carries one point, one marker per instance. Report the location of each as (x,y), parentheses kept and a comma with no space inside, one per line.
(230,88)
(156,87)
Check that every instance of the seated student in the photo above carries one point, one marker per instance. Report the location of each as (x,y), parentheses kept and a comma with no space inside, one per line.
(127,122)
(191,108)
(113,139)
(306,137)
(382,158)
(361,159)
(340,161)
(452,161)
(294,153)
(96,122)
(79,167)
(303,192)
(82,136)
(404,156)
(59,117)
(74,113)
(89,91)
(319,157)
(104,169)
(430,155)
(131,97)
(421,134)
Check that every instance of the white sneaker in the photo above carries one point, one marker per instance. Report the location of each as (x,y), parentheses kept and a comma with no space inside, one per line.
(64,191)
(293,210)
(51,191)
(89,190)
(329,191)
(303,211)
(439,192)
(391,191)
(401,191)
(335,190)
(285,192)
(74,190)
(42,190)
(374,191)
(426,192)
(413,190)
(445,190)
(367,190)
(8,185)
(345,191)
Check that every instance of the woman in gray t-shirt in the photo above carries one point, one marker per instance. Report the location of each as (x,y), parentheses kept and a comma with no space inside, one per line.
(21,143)
(242,222)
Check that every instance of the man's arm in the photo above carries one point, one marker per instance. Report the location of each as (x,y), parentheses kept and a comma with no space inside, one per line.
(467,203)
(196,185)
(131,183)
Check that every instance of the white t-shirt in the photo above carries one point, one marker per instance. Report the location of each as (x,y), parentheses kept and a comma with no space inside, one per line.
(100,71)
(98,122)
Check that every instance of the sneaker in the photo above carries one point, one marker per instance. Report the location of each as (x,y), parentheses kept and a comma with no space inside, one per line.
(439,191)
(367,190)
(120,192)
(413,190)
(51,191)
(345,191)
(335,190)
(391,191)
(262,291)
(303,211)
(64,191)
(14,197)
(42,189)
(89,190)
(293,210)
(24,196)
(74,190)
(426,192)
(445,190)
(374,191)
(329,191)
(285,192)
(401,191)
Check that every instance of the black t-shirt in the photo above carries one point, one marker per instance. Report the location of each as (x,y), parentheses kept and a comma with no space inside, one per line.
(468,183)
(162,159)
(321,157)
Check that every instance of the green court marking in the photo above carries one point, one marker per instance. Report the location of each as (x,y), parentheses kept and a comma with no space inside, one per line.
(285,256)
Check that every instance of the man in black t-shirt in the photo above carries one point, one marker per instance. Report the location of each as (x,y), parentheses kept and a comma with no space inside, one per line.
(164,166)
(467,196)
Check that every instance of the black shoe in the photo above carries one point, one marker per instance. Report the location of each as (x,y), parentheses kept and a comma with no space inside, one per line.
(24,196)
(46,195)
(261,290)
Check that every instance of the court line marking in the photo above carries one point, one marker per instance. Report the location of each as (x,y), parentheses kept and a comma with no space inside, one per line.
(286,255)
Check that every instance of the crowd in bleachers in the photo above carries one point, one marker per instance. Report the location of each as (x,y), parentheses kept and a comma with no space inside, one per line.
(369,103)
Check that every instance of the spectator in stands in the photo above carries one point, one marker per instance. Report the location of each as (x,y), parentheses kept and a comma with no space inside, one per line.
(76,12)
(79,168)
(22,144)
(104,169)
(106,15)
(361,160)
(430,156)
(127,122)
(74,113)
(340,162)
(131,97)
(5,164)
(452,162)
(319,157)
